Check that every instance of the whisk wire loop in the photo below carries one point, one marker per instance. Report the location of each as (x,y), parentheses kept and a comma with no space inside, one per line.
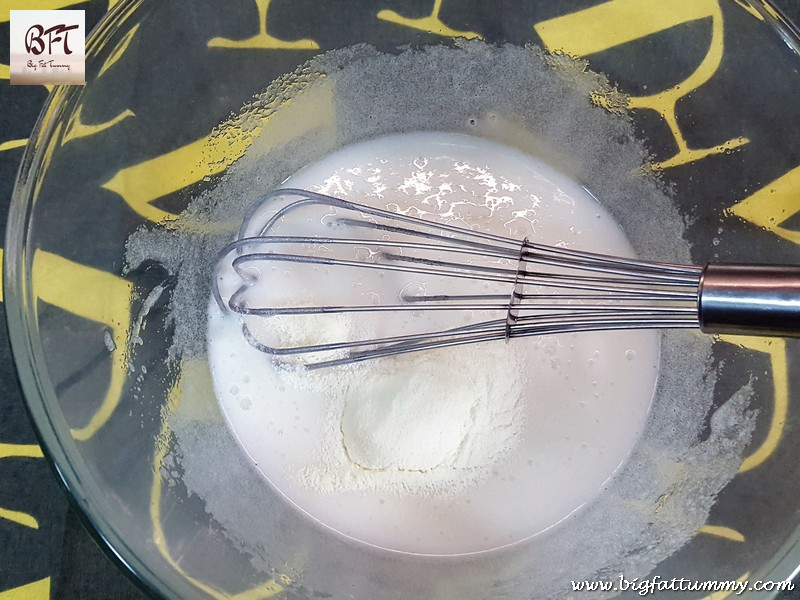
(550,290)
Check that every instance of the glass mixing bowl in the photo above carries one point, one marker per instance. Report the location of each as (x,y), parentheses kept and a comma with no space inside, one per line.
(712,88)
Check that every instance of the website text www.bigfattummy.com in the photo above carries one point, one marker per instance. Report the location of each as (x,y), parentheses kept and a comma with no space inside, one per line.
(656,584)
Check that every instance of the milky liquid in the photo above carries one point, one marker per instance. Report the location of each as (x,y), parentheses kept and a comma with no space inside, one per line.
(586,396)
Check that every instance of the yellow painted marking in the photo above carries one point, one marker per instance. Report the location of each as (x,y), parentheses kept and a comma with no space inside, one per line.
(768,208)
(38,590)
(48,149)
(772,205)
(613,23)
(76,129)
(722,532)
(11,144)
(610,99)
(750,8)
(688,155)
(7,5)
(20,451)
(264,591)
(5,71)
(432,23)
(664,103)
(617,22)
(262,39)
(775,348)
(141,184)
(97,296)
(19,518)
(770,10)
(725,594)
(117,53)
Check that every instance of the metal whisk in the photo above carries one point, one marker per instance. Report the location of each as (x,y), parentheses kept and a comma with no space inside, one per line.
(507,288)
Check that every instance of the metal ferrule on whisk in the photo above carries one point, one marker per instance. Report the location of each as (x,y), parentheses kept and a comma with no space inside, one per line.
(516,293)
(750,300)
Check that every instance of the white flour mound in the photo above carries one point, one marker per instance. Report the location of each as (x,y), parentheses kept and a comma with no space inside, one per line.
(430,422)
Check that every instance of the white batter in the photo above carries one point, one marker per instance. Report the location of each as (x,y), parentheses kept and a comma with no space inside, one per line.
(569,408)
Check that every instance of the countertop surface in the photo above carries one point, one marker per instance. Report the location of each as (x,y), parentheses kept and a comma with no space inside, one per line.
(45,552)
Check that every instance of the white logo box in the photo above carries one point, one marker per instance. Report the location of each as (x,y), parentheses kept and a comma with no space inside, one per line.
(47,47)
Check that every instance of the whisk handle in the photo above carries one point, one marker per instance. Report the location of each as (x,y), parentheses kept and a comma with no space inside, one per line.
(750,300)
